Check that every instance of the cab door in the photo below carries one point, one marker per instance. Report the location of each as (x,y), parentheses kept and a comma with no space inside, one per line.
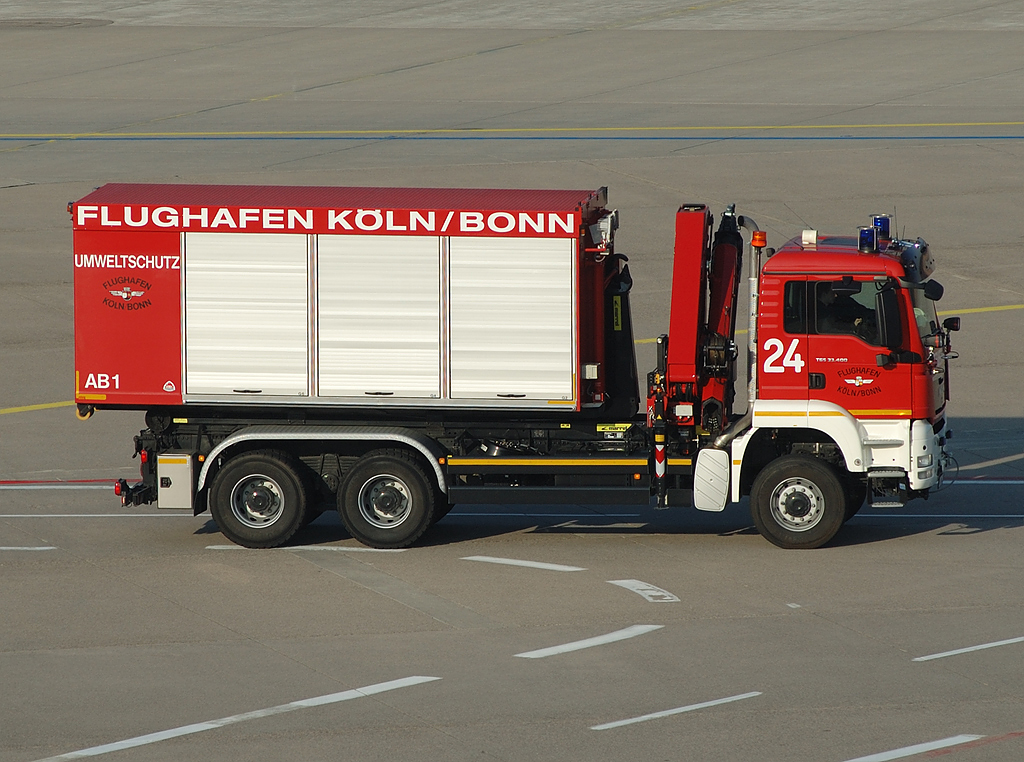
(782,338)
(848,362)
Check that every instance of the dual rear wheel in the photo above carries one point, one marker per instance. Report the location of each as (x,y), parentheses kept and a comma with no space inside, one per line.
(260,499)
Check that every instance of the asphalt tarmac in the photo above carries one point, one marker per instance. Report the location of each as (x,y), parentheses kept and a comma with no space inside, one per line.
(616,633)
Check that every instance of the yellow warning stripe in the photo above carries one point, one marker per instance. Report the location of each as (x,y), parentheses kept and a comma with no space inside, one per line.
(547,462)
(869,413)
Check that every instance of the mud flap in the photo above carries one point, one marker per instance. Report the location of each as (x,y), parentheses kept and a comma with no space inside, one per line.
(711,480)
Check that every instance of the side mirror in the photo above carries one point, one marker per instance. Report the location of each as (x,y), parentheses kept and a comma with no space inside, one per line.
(887,305)
(933,290)
(951,324)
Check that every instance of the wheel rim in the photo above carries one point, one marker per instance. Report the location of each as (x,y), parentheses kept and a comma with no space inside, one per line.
(385,501)
(797,504)
(257,501)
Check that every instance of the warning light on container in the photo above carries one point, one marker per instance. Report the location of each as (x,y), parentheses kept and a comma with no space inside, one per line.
(759,239)
(144,456)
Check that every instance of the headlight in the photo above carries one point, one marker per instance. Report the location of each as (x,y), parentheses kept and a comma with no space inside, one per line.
(923,461)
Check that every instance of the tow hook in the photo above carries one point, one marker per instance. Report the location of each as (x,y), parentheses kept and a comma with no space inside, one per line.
(136,494)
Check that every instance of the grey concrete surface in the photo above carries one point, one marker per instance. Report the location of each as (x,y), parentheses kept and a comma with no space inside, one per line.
(802,113)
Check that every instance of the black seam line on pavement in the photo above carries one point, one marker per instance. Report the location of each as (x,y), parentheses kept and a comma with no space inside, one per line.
(401,592)
(701,70)
(901,651)
(149,59)
(313,668)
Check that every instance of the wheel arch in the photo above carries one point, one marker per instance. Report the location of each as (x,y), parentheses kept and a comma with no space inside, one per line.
(811,421)
(252,437)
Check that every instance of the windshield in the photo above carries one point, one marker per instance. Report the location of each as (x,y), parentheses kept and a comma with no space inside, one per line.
(927,319)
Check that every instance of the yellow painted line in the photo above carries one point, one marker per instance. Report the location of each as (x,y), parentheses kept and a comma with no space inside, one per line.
(881,412)
(176,460)
(490,130)
(680,461)
(29,408)
(789,413)
(983,309)
(545,462)
(825,413)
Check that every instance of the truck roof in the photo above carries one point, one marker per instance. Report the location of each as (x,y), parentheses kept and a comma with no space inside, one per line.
(333,197)
(831,254)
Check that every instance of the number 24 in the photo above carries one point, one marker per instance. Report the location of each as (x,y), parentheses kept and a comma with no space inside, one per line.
(792,359)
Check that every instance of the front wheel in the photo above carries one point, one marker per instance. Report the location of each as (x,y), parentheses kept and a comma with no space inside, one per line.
(798,502)
(387,499)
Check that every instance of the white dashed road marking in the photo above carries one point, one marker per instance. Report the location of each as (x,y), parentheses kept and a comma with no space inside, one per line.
(199,727)
(600,640)
(529,564)
(921,748)
(650,592)
(678,710)
(39,547)
(959,651)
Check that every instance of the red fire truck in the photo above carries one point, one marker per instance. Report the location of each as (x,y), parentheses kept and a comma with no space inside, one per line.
(396,351)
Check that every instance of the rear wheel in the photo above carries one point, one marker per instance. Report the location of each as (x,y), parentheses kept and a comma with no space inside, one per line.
(258,499)
(386,499)
(798,502)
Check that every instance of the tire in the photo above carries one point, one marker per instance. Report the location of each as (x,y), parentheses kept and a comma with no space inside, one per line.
(259,499)
(856,493)
(798,502)
(387,499)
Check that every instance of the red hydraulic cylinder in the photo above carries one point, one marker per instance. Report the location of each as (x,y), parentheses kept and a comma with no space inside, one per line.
(689,292)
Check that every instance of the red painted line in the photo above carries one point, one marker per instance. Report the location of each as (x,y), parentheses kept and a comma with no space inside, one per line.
(972,744)
(58,481)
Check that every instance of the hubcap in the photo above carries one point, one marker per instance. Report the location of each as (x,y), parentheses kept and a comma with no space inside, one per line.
(797,504)
(257,501)
(385,501)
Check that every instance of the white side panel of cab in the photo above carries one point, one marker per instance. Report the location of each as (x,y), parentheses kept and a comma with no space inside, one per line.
(511,318)
(246,314)
(380,316)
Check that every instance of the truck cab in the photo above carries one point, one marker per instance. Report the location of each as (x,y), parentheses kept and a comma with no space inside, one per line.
(850,375)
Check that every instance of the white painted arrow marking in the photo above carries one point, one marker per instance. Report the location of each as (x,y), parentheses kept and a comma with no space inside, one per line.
(650,592)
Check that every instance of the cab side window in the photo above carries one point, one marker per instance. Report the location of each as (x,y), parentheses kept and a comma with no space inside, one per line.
(846,308)
(794,307)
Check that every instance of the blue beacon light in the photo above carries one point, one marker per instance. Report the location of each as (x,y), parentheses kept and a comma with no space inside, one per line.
(867,240)
(883,223)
